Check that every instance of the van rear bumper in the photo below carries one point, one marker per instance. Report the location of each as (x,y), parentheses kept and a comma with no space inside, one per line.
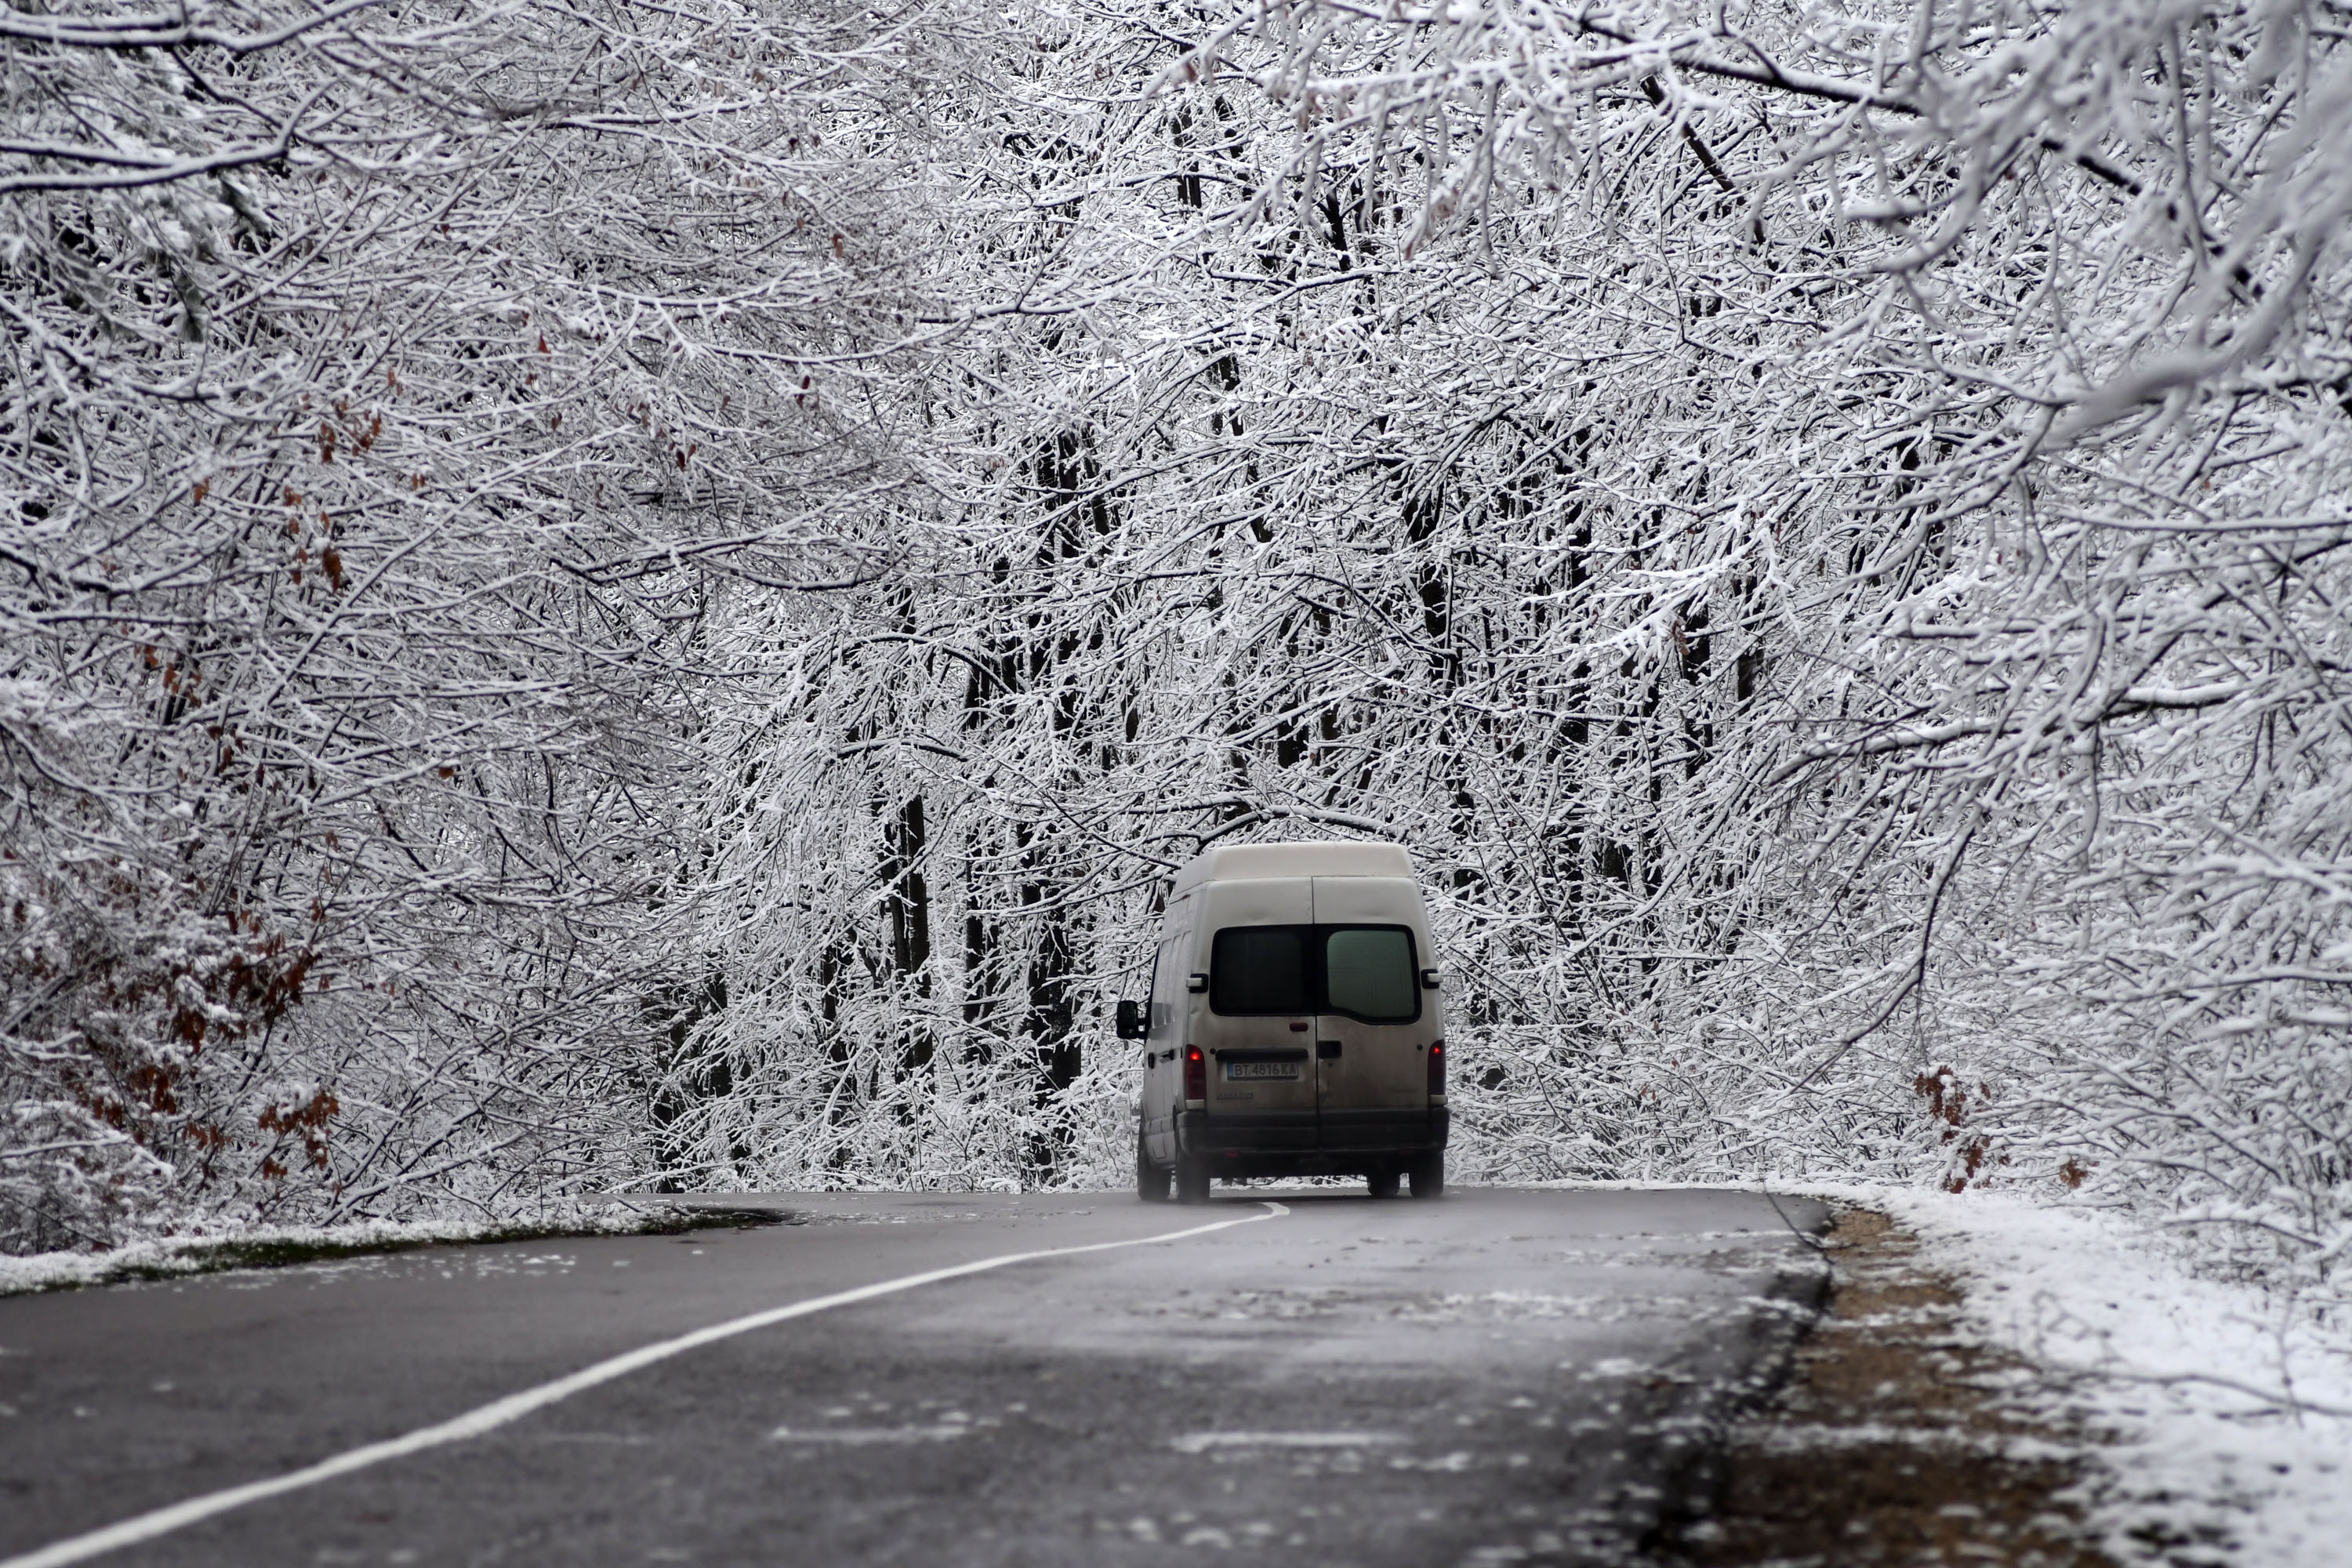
(1307,1143)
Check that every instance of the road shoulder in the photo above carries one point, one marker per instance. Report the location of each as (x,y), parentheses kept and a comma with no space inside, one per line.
(1898,1435)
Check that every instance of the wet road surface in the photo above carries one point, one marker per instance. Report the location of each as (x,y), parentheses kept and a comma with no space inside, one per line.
(1500,1376)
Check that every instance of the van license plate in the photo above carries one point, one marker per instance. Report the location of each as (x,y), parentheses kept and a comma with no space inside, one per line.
(1236,1071)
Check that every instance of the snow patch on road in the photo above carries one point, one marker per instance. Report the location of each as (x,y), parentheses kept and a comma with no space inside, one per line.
(865,1437)
(1201,1442)
(275,1245)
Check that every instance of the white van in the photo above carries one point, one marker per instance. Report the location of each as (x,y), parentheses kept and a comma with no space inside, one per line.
(1293,1027)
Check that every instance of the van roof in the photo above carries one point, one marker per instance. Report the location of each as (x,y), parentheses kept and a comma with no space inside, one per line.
(1327,858)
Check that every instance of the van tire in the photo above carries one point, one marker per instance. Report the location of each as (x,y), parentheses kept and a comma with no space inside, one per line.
(1191,1181)
(1150,1180)
(1384,1183)
(1428,1176)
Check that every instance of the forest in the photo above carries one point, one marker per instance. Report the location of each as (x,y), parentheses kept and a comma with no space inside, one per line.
(599,594)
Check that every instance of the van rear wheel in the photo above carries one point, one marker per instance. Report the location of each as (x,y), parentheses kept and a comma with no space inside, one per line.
(1191,1181)
(1150,1180)
(1428,1176)
(1383,1183)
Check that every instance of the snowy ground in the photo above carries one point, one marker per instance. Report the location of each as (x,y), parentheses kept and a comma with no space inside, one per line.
(269,1244)
(2231,1411)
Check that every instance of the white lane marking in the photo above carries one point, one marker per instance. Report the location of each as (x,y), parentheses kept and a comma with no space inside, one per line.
(515,1407)
(1201,1442)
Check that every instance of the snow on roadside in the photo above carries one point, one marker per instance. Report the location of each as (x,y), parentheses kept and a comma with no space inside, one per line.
(2232,1411)
(250,1246)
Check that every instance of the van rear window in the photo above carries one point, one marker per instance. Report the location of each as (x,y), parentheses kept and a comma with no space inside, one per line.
(1365,972)
(1259,969)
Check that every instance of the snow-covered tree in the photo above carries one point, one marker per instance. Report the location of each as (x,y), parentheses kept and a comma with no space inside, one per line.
(392,392)
(1820,525)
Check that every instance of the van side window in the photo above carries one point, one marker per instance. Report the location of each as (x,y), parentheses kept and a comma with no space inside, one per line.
(1157,1014)
(1259,969)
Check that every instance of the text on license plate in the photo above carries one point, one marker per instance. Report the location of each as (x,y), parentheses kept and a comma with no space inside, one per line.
(1236,1070)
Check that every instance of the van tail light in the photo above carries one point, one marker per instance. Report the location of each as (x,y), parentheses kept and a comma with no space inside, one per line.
(1436,1069)
(1196,1074)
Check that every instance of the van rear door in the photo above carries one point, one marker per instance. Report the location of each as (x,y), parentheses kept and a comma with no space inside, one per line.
(1372,1041)
(1257,1026)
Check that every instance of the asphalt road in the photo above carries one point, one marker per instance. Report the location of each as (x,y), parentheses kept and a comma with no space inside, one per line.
(1500,1376)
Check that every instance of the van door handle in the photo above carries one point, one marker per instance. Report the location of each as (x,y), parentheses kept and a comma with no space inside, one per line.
(1328,1049)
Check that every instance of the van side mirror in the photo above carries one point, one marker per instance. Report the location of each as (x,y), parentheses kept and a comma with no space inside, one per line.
(1429,980)
(1132,1024)
(1196,983)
